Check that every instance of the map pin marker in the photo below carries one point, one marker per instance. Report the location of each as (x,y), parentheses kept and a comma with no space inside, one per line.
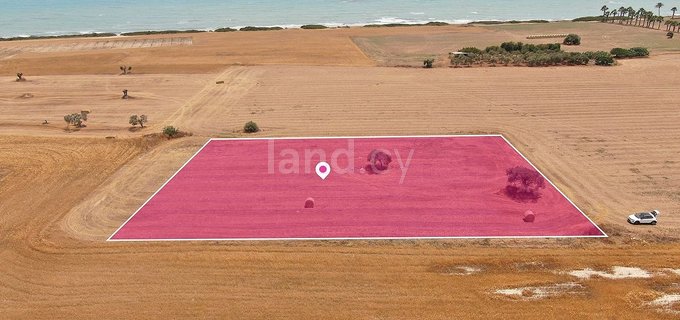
(323,170)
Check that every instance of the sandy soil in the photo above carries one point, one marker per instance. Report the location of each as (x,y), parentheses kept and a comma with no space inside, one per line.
(608,137)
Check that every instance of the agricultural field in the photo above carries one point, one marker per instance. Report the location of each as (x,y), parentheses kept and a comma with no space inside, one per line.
(607,137)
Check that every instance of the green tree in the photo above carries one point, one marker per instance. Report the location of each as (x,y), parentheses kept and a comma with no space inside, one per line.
(74,119)
(138,120)
(251,127)
(604,10)
(659,6)
(631,14)
(572,40)
(673,10)
(170,131)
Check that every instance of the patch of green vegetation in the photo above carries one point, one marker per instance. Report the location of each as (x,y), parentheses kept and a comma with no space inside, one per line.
(251,28)
(490,22)
(313,26)
(225,30)
(536,55)
(390,25)
(572,40)
(87,35)
(146,33)
(588,19)
(251,127)
(637,52)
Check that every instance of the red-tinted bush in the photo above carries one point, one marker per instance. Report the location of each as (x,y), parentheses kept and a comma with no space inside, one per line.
(378,161)
(524,184)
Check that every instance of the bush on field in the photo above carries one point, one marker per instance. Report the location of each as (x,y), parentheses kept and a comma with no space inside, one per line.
(640,52)
(512,46)
(471,50)
(577,58)
(313,26)
(603,58)
(572,40)
(495,49)
(251,127)
(621,53)
(170,131)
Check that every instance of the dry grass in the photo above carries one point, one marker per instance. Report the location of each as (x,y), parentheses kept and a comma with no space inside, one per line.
(606,136)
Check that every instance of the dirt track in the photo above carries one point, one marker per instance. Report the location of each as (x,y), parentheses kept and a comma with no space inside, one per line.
(605,136)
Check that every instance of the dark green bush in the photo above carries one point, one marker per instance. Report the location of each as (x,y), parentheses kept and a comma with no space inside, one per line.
(471,50)
(640,52)
(577,58)
(313,26)
(170,131)
(572,40)
(512,46)
(250,28)
(621,53)
(225,30)
(603,58)
(494,49)
(588,18)
(427,63)
(251,127)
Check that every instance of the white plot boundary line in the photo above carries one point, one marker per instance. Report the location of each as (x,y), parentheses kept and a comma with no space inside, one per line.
(604,235)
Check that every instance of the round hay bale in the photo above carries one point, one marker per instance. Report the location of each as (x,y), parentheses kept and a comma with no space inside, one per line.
(309,203)
(529,216)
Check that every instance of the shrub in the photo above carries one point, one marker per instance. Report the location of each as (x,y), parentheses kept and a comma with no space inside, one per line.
(577,58)
(313,26)
(170,131)
(225,30)
(437,23)
(640,52)
(138,120)
(621,53)
(591,54)
(251,28)
(588,18)
(524,184)
(427,63)
(378,161)
(603,58)
(494,49)
(75,119)
(572,40)
(471,50)
(251,127)
(512,46)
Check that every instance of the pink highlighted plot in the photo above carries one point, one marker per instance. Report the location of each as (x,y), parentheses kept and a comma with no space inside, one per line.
(377,188)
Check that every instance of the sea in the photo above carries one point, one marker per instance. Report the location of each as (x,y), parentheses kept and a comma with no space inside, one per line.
(59,17)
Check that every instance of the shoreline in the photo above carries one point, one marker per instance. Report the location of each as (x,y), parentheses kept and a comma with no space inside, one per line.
(279,27)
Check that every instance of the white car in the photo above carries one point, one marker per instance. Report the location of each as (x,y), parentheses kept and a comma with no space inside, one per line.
(644,217)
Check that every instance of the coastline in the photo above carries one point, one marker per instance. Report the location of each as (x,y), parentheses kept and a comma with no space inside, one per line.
(275,27)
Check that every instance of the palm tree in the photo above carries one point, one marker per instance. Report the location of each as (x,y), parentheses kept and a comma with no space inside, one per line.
(658,6)
(622,11)
(668,25)
(631,14)
(638,16)
(604,10)
(673,10)
(660,20)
